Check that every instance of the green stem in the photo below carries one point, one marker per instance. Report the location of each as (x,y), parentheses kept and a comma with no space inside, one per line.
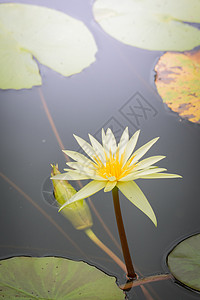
(127,257)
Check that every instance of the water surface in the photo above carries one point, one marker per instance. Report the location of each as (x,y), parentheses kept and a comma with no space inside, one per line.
(116,91)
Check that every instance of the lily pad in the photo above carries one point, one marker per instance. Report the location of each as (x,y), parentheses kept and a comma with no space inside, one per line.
(178,82)
(184,262)
(55,39)
(54,278)
(150,24)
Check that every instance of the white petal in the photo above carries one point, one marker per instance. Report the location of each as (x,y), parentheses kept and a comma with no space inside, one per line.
(123,142)
(148,162)
(85,146)
(110,185)
(131,146)
(78,157)
(91,175)
(80,169)
(133,193)
(81,166)
(139,174)
(142,150)
(70,176)
(161,175)
(105,142)
(88,190)
(110,142)
(103,136)
(98,148)
(145,172)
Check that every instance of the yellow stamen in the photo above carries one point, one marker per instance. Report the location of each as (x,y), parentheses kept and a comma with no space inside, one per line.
(113,166)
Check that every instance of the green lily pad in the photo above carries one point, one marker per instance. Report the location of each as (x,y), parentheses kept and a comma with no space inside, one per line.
(184,262)
(149,24)
(55,39)
(54,278)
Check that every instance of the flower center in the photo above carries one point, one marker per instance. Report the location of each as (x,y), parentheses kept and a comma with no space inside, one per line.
(114,168)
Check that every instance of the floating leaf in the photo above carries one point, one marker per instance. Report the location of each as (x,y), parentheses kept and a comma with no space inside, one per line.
(55,39)
(150,24)
(54,278)
(178,82)
(184,262)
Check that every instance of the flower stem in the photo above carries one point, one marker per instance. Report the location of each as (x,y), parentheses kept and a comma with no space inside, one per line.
(127,258)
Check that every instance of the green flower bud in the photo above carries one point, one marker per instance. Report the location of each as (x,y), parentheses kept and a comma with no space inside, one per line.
(78,213)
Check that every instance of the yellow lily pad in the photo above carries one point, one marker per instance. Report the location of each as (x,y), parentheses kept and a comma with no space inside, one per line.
(55,39)
(178,83)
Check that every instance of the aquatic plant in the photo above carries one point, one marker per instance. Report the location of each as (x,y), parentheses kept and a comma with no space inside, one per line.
(149,25)
(31,34)
(78,213)
(114,167)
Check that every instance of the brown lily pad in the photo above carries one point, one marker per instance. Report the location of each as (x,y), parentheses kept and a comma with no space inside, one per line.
(178,83)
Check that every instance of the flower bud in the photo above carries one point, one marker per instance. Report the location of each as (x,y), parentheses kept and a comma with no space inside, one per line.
(78,212)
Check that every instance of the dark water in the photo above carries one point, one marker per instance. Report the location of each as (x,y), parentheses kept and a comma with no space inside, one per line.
(116,91)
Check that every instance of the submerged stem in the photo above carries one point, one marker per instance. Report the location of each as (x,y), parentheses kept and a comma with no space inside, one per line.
(142,281)
(126,253)
(97,241)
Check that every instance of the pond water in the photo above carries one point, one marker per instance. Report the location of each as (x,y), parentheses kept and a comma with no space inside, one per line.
(116,91)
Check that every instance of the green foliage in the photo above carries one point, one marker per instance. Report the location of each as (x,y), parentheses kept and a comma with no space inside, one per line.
(54,278)
(55,39)
(152,25)
(184,262)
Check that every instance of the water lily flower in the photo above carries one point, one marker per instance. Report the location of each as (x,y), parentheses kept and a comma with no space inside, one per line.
(113,165)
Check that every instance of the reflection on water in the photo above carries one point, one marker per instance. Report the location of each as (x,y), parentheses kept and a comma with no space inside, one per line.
(113,92)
